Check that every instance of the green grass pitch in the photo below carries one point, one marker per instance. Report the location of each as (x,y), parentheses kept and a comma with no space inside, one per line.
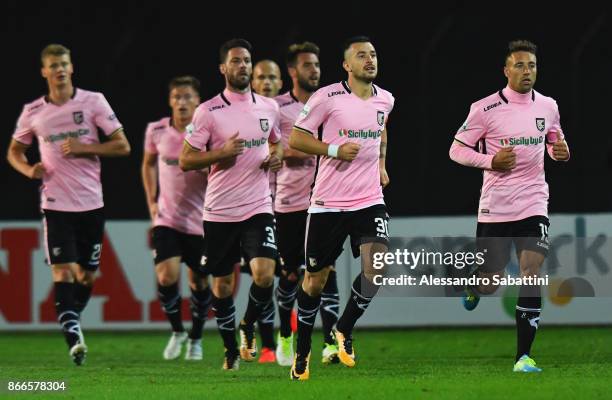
(408,364)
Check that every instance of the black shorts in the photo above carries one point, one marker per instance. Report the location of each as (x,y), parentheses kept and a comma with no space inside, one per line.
(497,238)
(224,242)
(168,242)
(326,233)
(74,237)
(291,228)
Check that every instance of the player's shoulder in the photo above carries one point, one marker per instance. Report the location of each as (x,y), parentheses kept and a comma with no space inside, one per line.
(544,100)
(335,90)
(489,103)
(383,94)
(214,104)
(285,99)
(87,96)
(159,126)
(34,107)
(266,102)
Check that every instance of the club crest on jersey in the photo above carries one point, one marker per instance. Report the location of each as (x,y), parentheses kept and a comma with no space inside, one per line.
(264,124)
(380,117)
(540,124)
(77,116)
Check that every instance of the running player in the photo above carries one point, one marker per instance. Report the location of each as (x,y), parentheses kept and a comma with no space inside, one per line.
(506,135)
(236,134)
(175,208)
(347,199)
(266,82)
(291,204)
(65,122)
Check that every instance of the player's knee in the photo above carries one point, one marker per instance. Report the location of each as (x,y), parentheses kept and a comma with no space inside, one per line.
(166,279)
(87,279)
(62,274)
(222,287)
(263,279)
(314,286)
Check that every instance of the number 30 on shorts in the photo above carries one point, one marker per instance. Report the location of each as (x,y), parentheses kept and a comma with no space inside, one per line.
(382,226)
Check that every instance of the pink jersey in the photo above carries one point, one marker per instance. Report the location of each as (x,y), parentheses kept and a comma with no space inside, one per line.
(344,117)
(528,122)
(181,194)
(70,183)
(240,189)
(294,180)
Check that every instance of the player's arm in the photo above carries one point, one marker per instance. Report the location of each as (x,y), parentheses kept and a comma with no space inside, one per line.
(307,143)
(292,154)
(149,181)
(192,158)
(274,161)
(384,177)
(17,158)
(558,150)
(116,146)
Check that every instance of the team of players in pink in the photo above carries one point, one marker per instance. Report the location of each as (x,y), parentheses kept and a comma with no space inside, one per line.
(222,160)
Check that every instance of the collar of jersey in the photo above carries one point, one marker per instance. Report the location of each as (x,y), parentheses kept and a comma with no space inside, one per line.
(507,94)
(232,97)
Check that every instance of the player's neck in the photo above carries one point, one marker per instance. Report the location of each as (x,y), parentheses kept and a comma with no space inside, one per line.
(60,94)
(300,94)
(180,124)
(235,90)
(517,97)
(360,88)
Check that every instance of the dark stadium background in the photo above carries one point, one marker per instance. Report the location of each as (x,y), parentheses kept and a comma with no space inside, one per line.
(435,60)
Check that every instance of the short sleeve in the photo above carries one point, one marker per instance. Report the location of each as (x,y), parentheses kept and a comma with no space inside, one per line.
(473,129)
(149,144)
(23,130)
(104,116)
(555,131)
(314,113)
(275,133)
(199,131)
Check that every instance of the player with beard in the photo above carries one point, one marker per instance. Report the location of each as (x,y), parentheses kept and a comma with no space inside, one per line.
(347,198)
(236,134)
(291,204)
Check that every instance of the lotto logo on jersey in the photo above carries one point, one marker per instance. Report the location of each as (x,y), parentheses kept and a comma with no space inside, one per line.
(360,134)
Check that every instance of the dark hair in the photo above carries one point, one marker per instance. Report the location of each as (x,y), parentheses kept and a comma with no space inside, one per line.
(355,39)
(230,44)
(185,80)
(521,45)
(53,50)
(299,48)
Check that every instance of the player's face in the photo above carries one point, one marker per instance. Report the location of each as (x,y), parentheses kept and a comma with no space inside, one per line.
(183,101)
(57,70)
(266,79)
(521,70)
(238,68)
(361,61)
(308,71)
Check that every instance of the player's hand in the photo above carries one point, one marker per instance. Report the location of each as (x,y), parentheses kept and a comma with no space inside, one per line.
(272,163)
(560,149)
(504,160)
(384,178)
(348,151)
(233,146)
(72,147)
(153,211)
(37,171)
